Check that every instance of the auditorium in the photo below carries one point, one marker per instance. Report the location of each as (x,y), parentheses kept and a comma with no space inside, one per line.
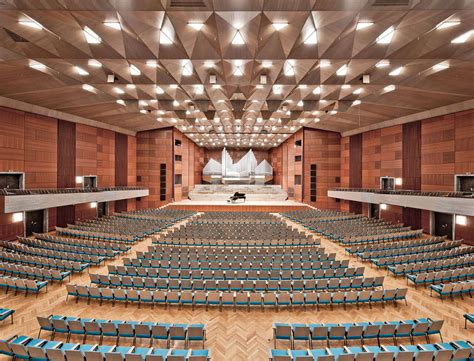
(237,180)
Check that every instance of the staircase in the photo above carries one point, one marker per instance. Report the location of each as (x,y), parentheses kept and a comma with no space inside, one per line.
(222,192)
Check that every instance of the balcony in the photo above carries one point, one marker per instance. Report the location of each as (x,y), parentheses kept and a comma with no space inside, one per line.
(444,202)
(16,200)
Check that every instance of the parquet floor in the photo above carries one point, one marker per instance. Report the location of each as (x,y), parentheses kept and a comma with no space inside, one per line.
(237,335)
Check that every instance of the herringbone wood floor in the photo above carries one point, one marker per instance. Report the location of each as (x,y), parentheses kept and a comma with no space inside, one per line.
(237,335)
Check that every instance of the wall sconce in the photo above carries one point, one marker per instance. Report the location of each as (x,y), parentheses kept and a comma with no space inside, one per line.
(398,181)
(79,179)
(383,206)
(93,204)
(17,217)
(461,220)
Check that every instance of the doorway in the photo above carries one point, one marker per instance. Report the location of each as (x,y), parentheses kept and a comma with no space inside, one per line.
(374,210)
(34,222)
(443,224)
(102,209)
(387,183)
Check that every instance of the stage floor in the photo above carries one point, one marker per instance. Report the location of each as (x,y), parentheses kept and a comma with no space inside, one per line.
(248,206)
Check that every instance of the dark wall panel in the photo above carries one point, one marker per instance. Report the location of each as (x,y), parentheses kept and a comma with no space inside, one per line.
(65,215)
(355,169)
(411,149)
(66,154)
(121,159)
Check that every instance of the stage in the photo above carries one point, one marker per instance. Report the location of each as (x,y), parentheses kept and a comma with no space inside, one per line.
(239,206)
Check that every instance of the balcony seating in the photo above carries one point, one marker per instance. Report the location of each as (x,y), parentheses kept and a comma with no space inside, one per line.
(356,331)
(468,317)
(32,191)
(40,274)
(27,348)
(6,312)
(407,192)
(453,289)
(457,350)
(38,261)
(439,265)
(237,285)
(368,248)
(154,331)
(235,299)
(25,285)
(242,275)
(428,278)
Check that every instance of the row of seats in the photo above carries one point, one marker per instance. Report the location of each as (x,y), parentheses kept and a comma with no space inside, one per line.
(42,274)
(228,265)
(20,284)
(53,246)
(117,247)
(403,250)
(423,257)
(204,242)
(453,289)
(468,317)
(237,285)
(94,236)
(355,331)
(368,248)
(239,275)
(444,351)
(428,278)
(440,265)
(154,331)
(407,192)
(9,191)
(234,299)
(43,262)
(27,348)
(238,251)
(5,313)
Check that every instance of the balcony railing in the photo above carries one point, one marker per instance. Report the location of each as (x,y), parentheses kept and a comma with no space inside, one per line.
(407,192)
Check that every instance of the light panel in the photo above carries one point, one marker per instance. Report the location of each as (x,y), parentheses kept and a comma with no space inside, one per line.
(363,24)
(238,39)
(91,36)
(386,36)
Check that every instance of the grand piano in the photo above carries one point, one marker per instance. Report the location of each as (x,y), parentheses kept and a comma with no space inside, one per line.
(236,196)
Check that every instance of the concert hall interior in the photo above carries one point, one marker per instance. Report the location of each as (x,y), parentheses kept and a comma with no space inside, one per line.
(233,180)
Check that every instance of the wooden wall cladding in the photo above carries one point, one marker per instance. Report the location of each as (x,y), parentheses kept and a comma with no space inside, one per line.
(132,169)
(345,170)
(12,140)
(355,161)
(392,214)
(276,159)
(371,152)
(322,148)
(106,157)
(236,154)
(411,156)
(65,215)
(155,147)
(391,139)
(84,211)
(198,164)
(66,154)
(86,150)
(41,142)
(121,159)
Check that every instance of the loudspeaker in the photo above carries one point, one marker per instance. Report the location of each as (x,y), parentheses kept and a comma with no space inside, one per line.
(366,79)
(110,78)
(212,79)
(263,79)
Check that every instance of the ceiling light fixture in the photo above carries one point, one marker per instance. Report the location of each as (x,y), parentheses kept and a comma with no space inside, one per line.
(81,71)
(389,88)
(277,89)
(267,64)
(37,66)
(91,37)
(356,102)
(88,88)
(199,89)
(345,86)
(94,63)
(238,39)
(131,86)
(312,38)
(159,90)
(324,63)
(396,71)
(317,90)
(165,39)
(31,23)
(447,24)
(209,64)
(151,63)
(121,102)
(342,70)
(175,103)
(363,24)
(386,36)
(196,25)
(289,70)
(187,69)
(382,64)
(238,71)
(119,91)
(357,91)
(279,25)
(300,103)
(462,38)
(113,24)
(441,66)
(134,70)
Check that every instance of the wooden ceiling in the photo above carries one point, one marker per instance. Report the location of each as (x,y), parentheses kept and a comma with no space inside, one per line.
(316,39)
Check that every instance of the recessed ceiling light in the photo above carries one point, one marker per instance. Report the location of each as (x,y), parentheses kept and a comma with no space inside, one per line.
(312,38)
(277,89)
(151,63)
(238,39)
(187,69)
(342,70)
(175,103)
(357,91)
(382,64)
(238,71)
(300,103)
(389,88)
(94,63)
(143,103)
(441,66)
(143,111)
(88,88)
(159,90)
(134,70)
(447,24)
(199,89)
(279,25)
(161,119)
(37,66)
(332,112)
(121,102)
(462,38)
(346,86)
(267,64)
(196,25)
(386,36)
(113,24)
(81,71)
(356,102)
(174,86)
(324,63)
(165,39)
(302,86)
(131,86)
(91,37)
(316,120)
(317,90)
(396,71)
(119,91)
(209,64)
(323,101)
(363,24)
(31,23)
(289,70)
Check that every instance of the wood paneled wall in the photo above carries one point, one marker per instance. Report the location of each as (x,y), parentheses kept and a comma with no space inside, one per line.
(355,169)
(289,167)
(323,149)
(236,154)
(132,169)
(345,170)
(276,161)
